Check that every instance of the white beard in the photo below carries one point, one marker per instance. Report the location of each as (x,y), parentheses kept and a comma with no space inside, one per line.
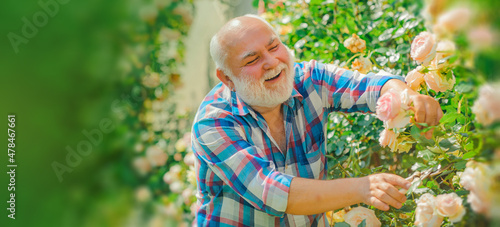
(254,92)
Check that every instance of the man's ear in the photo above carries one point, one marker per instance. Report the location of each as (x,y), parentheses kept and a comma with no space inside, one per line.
(225,79)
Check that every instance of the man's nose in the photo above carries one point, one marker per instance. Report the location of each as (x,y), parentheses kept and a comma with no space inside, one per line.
(271,61)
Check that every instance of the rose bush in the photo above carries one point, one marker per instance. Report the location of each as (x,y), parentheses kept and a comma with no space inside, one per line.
(436,46)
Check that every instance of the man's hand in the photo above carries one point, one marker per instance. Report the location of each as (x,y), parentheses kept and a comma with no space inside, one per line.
(427,109)
(380,190)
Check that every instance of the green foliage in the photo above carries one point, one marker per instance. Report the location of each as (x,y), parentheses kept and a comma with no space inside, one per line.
(153,128)
(318,30)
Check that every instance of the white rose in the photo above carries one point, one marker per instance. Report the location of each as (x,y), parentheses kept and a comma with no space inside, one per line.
(450,205)
(482,37)
(487,106)
(414,78)
(172,175)
(425,213)
(355,216)
(455,19)
(142,165)
(143,194)
(445,48)
(176,187)
(156,156)
(189,159)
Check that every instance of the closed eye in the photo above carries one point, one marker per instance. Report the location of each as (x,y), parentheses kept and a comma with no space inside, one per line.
(275,47)
(252,61)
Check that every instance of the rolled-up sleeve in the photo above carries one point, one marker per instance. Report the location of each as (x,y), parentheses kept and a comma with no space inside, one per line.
(341,89)
(221,144)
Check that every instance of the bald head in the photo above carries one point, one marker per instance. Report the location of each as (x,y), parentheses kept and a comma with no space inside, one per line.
(228,37)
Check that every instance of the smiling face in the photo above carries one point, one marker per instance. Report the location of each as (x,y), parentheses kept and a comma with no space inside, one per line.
(261,67)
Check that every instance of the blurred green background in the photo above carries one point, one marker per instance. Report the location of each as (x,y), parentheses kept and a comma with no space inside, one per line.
(59,83)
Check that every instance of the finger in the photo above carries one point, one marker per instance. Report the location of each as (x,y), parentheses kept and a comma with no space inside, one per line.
(439,114)
(378,204)
(428,134)
(397,181)
(431,116)
(419,111)
(395,193)
(387,199)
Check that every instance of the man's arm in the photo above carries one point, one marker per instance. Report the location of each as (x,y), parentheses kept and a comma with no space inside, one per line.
(338,89)
(309,196)
(427,109)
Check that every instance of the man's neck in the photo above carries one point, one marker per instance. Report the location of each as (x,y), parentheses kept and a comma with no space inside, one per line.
(269,113)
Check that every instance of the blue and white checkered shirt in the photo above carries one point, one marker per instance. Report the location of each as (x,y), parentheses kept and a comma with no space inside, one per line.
(243,178)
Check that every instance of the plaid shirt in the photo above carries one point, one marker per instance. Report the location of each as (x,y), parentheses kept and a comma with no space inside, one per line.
(243,178)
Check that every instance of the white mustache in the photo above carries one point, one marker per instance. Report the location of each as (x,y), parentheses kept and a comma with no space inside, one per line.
(272,73)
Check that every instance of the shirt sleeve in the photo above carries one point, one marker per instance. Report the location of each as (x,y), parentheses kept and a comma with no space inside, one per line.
(343,90)
(221,144)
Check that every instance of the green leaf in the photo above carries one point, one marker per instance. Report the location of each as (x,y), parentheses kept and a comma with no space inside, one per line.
(449,117)
(426,154)
(446,143)
(464,87)
(341,224)
(363,223)
(403,48)
(399,32)
(387,34)
(469,155)
(462,192)
(415,132)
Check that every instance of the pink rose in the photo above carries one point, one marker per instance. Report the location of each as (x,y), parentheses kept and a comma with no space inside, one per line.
(392,108)
(455,19)
(437,82)
(423,48)
(487,106)
(450,205)
(388,106)
(414,78)
(355,216)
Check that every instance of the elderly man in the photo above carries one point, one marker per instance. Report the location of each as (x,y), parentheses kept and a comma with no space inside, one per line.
(259,140)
